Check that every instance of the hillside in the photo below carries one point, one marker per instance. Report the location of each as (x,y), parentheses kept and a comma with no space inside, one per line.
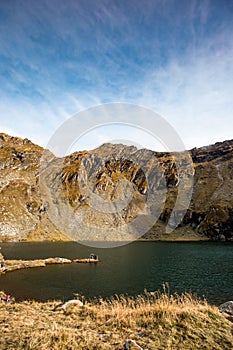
(114,187)
(152,321)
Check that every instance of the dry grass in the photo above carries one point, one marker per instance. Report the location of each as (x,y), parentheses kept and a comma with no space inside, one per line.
(153,321)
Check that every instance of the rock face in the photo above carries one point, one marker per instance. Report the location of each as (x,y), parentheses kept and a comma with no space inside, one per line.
(115,186)
(211,210)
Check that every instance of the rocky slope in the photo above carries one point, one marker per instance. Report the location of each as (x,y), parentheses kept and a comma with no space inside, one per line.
(115,193)
(22,212)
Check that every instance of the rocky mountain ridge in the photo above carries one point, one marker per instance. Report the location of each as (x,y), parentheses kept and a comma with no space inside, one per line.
(115,187)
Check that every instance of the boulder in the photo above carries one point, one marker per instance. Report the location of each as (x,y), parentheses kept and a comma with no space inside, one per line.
(227,308)
(70,303)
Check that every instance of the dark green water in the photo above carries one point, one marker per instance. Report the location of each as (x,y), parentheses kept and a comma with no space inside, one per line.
(205,268)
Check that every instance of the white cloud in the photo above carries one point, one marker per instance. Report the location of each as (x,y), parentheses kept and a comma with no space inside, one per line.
(194,96)
(193,90)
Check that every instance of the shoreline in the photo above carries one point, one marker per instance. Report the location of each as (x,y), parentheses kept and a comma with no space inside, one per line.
(179,240)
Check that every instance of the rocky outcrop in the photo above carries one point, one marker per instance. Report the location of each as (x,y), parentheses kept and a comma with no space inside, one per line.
(227,310)
(22,210)
(227,307)
(111,187)
(12,265)
(211,209)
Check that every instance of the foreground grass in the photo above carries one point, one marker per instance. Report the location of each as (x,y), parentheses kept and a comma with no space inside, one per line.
(153,321)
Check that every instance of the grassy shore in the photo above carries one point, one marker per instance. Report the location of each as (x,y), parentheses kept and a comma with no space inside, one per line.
(152,321)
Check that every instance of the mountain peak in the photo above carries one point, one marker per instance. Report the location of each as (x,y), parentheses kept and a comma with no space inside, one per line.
(110,175)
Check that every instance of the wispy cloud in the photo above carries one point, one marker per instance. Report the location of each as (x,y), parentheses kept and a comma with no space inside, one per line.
(172,56)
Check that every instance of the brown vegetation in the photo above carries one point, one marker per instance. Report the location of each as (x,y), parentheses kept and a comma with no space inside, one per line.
(152,321)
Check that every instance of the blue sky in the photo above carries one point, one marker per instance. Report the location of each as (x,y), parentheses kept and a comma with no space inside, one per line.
(60,57)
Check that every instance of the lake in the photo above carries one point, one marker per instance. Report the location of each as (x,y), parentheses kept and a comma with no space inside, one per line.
(205,268)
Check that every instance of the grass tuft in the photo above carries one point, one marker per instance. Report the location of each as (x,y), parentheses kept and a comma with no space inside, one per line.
(155,320)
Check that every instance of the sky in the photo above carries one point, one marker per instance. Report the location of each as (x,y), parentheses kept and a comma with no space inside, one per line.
(174,57)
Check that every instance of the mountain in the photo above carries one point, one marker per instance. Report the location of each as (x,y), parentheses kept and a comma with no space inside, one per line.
(115,192)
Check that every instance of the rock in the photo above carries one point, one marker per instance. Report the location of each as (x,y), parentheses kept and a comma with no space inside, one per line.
(127,345)
(12,265)
(57,261)
(131,344)
(73,302)
(222,238)
(227,308)
(86,260)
